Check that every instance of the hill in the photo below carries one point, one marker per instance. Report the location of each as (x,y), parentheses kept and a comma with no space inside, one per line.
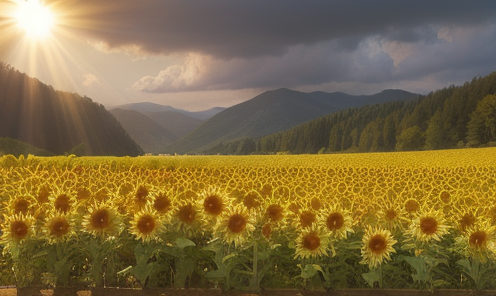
(35,113)
(150,135)
(272,112)
(176,123)
(154,126)
(17,148)
(452,117)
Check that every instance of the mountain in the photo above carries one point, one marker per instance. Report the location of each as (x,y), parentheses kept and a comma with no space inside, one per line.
(147,107)
(449,118)
(176,123)
(56,121)
(155,126)
(150,135)
(272,112)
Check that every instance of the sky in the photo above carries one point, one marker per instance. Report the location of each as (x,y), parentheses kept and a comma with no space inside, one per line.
(199,54)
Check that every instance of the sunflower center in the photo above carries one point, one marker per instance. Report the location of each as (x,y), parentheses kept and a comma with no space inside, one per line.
(250,201)
(62,203)
(274,212)
(213,205)
(83,193)
(411,206)
(141,195)
(19,229)
(267,230)
(445,196)
(187,214)
(428,225)
(478,239)
(315,203)
(311,241)
(391,214)
(162,203)
(307,218)
(146,224)
(335,221)
(59,228)
(21,206)
(100,219)
(43,194)
(294,207)
(237,223)
(378,244)
(467,220)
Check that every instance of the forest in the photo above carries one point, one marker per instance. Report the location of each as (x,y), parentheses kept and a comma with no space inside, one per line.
(452,117)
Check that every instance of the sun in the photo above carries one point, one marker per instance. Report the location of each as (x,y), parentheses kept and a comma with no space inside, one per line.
(35,19)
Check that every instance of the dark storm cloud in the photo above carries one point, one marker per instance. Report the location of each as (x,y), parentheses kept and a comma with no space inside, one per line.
(235,28)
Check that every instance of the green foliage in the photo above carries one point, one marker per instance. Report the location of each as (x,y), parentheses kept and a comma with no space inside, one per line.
(410,139)
(17,148)
(482,124)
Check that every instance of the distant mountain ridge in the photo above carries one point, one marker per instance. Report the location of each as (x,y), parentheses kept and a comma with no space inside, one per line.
(272,112)
(154,126)
(147,107)
(56,121)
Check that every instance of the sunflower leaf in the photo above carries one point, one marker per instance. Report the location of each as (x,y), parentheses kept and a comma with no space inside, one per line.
(182,242)
(372,277)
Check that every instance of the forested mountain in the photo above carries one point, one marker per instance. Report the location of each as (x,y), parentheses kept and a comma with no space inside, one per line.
(272,112)
(456,116)
(35,113)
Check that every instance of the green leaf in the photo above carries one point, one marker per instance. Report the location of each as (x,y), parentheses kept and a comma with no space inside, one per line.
(465,263)
(309,270)
(372,277)
(420,266)
(182,242)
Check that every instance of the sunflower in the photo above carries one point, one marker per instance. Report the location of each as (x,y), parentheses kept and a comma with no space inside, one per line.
(427,225)
(251,200)
(102,218)
(141,195)
(187,217)
(235,225)
(146,225)
(21,204)
(445,197)
(214,202)
(162,203)
(337,221)
(62,202)
(466,218)
(411,206)
(58,227)
(392,216)
(377,246)
(311,242)
(481,239)
(275,213)
(16,229)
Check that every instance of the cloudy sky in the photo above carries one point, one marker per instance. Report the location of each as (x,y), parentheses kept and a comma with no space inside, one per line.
(197,54)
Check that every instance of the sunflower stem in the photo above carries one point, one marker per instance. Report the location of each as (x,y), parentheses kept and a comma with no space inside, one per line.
(380,276)
(255,267)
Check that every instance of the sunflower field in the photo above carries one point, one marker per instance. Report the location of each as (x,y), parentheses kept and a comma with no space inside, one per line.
(403,220)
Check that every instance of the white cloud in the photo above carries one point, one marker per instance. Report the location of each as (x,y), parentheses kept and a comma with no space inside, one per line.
(90,79)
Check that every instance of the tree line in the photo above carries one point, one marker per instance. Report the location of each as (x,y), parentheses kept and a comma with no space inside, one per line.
(452,117)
